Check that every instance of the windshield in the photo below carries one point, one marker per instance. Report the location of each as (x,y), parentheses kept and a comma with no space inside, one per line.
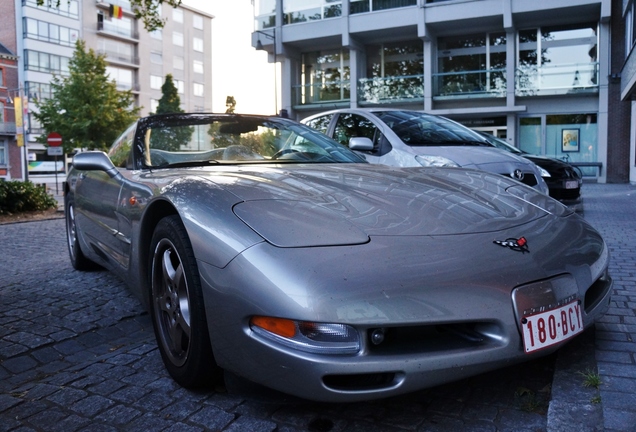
(501,144)
(419,129)
(196,140)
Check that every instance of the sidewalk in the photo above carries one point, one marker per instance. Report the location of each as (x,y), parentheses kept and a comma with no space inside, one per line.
(610,348)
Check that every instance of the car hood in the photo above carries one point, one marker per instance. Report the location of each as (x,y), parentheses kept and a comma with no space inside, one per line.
(553,166)
(483,158)
(320,205)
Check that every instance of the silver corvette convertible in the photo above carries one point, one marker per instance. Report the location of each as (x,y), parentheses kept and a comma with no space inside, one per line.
(263,248)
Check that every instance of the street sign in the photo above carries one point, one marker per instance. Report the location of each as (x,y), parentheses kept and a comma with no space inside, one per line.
(54,139)
(55,151)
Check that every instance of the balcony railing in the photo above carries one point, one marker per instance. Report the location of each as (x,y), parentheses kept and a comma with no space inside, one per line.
(376,5)
(469,84)
(322,92)
(390,89)
(116,30)
(120,57)
(557,79)
(7,128)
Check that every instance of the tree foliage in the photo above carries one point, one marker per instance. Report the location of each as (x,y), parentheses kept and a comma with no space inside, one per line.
(230,104)
(145,10)
(172,138)
(86,107)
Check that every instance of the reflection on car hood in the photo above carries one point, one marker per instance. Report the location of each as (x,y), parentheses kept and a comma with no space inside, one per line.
(486,158)
(346,204)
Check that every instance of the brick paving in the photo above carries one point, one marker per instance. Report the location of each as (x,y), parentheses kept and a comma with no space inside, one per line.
(77,353)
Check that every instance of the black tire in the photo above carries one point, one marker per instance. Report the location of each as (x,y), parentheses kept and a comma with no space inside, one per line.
(78,259)
(177,309)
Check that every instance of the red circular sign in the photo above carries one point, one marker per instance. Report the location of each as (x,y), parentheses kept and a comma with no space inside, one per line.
(54,139)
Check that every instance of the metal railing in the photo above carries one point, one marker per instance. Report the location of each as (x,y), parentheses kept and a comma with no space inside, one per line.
(462,84)
(321,92)
(390,89)
(557,79)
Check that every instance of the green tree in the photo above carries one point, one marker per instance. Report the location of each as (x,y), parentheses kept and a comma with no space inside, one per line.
(172,138)
(170,101)
(230,104)
(145,10)
(86,107)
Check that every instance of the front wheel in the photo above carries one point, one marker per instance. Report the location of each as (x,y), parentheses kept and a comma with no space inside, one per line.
(78,259)
(177,310)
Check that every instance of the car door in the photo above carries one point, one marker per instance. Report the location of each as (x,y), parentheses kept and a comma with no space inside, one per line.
(352,125)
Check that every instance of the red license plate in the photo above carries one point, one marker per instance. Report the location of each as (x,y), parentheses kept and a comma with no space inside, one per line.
(548,328)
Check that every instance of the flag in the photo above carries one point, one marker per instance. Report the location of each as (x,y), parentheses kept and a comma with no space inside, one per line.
(116,11)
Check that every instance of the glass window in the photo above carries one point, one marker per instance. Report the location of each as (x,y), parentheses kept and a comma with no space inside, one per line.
(177,15)
(154,104)
(197,44)
(325,76)
(156,82)
(197,89)
(471,64)
(156,34)
(123,77)
(1,77)
(197,66)
(180,85)
(177,38)
(557,60)
(295,11)
(197,22)
(3,158)
(156,58)
(178,62)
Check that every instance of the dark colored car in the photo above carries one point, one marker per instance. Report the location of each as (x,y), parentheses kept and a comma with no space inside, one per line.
(564,180)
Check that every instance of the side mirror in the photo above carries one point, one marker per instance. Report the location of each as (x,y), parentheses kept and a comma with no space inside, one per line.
(94,161)
(360,143)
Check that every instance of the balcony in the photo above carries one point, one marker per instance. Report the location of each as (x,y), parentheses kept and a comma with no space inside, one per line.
(362,6)
(7,128)
(562,79)
(112,56)
(108,28)
(390,89)
(322,93)
(489,83)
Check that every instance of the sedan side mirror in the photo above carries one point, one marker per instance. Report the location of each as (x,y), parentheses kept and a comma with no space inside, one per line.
(360,143)
(94,161)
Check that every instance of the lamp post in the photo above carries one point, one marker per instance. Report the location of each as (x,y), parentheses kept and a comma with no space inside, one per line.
(259,47)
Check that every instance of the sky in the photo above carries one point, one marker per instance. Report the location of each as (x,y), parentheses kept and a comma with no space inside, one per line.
(238,69)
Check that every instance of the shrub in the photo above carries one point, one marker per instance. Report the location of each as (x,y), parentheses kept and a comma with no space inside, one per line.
(17,196)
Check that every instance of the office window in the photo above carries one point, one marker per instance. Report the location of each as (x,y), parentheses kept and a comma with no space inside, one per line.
(48,32)
(123,77)
(156,58)
(177,38)
(45,62)
(180,85)
(197,44)
(197,89)
(38,91)
(178,63)
(156,82)
(177,15)
(197,66)
(197,22)
(154,104)
(156,34)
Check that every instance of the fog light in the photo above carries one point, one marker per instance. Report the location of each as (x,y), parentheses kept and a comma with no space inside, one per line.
(377,336)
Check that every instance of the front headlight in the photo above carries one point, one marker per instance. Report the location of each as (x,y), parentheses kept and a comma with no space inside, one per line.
(543,172)
(435,161)
(313,337)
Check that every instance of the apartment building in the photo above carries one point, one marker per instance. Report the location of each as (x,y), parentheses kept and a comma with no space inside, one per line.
(537,73)
(137,60)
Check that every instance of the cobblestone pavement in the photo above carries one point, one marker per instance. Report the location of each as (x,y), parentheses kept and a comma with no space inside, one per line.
(77,352)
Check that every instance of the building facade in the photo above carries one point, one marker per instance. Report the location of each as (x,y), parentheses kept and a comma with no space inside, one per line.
(136,59)
(537,73)
(11,149)
(623,113)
